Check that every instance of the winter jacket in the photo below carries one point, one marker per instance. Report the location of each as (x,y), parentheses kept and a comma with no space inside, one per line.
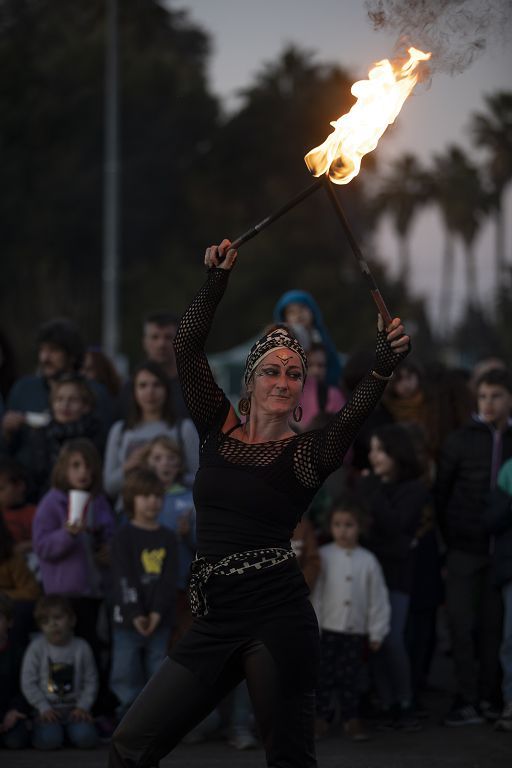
(464,481)
(396,510)
(66,559)
(303,297)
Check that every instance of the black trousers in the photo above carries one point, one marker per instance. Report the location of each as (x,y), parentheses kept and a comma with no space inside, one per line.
(341,662)
(174,701)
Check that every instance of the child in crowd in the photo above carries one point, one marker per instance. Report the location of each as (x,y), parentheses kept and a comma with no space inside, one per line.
(498,518)
(300,310)
(16,579)
(151,414)
(72,404)
(59,679)
(351,602)
(17,514)
(74,555)
(165,458)
(145,571)
(13,708)
(468,469)
(317,395)
(396,498)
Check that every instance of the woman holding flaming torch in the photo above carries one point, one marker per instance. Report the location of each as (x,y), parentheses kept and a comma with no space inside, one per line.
(255,480)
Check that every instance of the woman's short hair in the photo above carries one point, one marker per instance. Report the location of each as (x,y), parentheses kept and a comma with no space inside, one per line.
(134,411)
(88,451)
(140,482)
(48,603)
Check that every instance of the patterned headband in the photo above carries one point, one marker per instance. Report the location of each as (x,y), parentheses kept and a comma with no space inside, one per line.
(277,339)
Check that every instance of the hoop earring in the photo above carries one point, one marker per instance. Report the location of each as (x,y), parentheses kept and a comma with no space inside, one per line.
(297,413)
(244,406)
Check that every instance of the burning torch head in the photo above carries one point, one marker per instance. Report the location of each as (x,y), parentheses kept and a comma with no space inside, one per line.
(277,338)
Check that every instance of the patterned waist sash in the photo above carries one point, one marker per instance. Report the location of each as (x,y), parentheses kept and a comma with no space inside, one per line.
(235,564)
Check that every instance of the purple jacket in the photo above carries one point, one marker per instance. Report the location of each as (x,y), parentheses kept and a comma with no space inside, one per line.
(66,560)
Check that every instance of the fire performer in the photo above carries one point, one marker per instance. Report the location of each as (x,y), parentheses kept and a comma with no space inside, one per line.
(255,481)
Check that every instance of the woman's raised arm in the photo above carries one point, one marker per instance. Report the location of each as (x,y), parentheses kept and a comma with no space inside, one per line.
(204,398)
(321,452)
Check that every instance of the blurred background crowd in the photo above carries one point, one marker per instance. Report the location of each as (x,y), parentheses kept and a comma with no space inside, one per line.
(406,549)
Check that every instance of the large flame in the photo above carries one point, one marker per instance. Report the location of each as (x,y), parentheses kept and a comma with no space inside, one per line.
(379,100)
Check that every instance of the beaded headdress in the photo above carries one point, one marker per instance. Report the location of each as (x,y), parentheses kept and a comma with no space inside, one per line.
(276,339)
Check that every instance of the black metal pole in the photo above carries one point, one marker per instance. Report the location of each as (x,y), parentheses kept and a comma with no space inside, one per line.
(277,215)
(365,269)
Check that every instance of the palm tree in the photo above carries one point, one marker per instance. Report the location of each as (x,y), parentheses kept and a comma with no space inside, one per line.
(493,131)
(402,191)
(456,187)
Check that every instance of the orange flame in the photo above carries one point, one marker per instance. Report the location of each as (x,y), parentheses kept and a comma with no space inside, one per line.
(379,100)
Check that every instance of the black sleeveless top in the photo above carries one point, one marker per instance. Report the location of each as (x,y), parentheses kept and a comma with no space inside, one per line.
(251,496)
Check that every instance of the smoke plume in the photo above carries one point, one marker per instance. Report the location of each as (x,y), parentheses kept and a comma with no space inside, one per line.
(456,31)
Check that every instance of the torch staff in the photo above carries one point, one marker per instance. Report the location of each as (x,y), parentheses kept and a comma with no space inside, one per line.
(277,215)
(365,269)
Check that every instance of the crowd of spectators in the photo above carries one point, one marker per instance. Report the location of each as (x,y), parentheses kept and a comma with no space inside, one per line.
(97,533)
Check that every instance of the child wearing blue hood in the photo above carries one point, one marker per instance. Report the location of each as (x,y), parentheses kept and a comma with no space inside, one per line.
(300,310)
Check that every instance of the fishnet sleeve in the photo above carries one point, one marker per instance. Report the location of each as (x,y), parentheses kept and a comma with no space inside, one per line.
(204,398)
(320,452)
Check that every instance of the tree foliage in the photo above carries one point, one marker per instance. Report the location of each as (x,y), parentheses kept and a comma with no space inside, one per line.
(189,176)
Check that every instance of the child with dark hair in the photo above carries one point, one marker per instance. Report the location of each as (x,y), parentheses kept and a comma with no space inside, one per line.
(13,707)
(145,576)
(59,679)
(351,602)
(17,514)
(468,469)
(396,498)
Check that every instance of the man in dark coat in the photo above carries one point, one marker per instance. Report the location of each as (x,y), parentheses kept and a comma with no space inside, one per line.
(470,460)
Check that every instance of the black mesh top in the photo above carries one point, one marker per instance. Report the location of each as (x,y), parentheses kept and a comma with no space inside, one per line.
(293,468)
(251,496)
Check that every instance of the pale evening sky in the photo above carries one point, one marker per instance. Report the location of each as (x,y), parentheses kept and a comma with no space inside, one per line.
(247,34)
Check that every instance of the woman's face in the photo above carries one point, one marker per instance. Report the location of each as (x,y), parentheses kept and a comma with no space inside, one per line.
(149,393)
(276,384)
(79,473)
(68,404)
(382,463)
(297,313)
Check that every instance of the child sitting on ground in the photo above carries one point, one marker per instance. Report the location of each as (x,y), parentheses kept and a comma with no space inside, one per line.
(145,573)
(59,679)
(351,602)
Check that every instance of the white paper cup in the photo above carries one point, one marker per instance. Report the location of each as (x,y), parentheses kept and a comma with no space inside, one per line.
(37,420)
(77,506)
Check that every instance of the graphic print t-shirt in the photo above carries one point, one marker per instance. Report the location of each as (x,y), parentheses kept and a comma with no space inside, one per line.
(145,570)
